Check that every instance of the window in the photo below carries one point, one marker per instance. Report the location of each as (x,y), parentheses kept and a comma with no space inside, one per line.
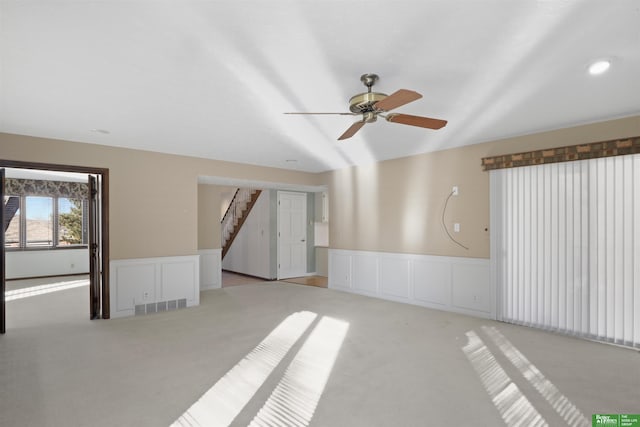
(39,218)
(45,222)
(72,228)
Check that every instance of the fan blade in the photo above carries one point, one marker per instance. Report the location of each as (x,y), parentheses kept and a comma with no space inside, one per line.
(340,114)
(423,122)
(397,99)
(352,130)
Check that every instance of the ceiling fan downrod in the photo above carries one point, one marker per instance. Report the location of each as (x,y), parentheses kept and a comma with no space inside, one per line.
(369,80)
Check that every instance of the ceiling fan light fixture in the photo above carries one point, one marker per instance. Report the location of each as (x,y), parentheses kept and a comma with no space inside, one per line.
(599,67)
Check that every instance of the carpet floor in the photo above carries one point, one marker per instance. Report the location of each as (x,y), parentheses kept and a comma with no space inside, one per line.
(358,361)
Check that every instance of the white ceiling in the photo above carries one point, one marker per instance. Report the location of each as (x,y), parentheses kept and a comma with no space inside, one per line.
(212,78)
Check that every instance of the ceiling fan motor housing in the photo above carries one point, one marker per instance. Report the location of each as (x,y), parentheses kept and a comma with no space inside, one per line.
(364,102)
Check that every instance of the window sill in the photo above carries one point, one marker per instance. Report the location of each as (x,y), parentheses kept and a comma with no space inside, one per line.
(59,248)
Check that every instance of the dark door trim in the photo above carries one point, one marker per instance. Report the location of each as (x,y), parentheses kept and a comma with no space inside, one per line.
(94,254)
(2,275)
(104,214)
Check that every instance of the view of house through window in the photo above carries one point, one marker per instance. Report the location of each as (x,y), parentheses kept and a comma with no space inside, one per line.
(45,222)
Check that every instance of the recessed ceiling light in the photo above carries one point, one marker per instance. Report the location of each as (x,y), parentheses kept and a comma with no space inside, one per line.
(103,131)
(599,67)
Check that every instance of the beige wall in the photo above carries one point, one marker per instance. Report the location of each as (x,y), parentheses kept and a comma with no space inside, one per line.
(153,196)
(396,205)
(208,223)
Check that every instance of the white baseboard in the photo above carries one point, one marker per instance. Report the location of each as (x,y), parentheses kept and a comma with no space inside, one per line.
(461,285)
(135,282)
(210,268)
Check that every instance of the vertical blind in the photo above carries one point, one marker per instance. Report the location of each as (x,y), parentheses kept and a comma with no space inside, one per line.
(566,247)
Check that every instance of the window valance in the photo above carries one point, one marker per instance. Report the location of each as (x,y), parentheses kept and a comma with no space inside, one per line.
(594,150)
(32,187)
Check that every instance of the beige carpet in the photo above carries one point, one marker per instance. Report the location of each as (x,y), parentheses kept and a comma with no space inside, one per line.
(40,281)
(399,365)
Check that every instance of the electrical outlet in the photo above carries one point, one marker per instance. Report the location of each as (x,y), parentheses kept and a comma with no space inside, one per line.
(456,227)
(454,190)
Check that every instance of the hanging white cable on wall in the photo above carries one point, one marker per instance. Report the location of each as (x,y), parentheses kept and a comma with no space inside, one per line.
(444,225)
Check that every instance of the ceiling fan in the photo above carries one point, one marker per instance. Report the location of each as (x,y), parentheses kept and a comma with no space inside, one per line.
(373,104)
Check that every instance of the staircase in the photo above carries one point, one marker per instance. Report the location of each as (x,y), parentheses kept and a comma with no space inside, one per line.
(236,214)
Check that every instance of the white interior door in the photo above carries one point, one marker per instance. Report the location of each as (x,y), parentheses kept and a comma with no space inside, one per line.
(292,234)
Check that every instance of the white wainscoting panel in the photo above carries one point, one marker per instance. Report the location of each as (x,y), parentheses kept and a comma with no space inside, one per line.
(210,269)
(340,269)
(469,292)
(174,277)
(132,284)
(394,277)
(151,280)
(432,282)
(365,273)
(461,285)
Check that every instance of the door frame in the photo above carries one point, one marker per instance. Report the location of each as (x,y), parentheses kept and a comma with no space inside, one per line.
(104,215)
(2,265)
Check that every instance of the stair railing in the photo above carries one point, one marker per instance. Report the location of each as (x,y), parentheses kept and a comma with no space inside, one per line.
(227,214)
(232,217)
